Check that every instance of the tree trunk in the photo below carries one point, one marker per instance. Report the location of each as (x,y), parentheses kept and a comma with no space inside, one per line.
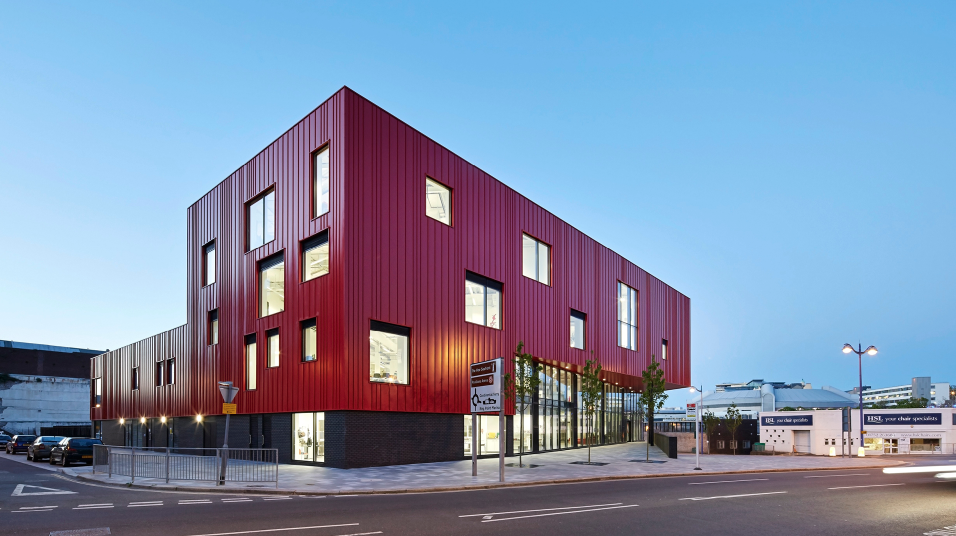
(521,439)
(650,423)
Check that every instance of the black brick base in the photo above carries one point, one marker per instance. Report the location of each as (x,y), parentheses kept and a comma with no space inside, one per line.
(369,438)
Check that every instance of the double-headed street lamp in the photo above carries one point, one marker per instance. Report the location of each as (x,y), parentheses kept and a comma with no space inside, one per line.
(848,348)
(700,440)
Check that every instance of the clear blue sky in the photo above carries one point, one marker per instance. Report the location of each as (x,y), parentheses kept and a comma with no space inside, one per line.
(788,167)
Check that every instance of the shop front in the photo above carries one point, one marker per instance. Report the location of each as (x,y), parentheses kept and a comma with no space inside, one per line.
(308,437)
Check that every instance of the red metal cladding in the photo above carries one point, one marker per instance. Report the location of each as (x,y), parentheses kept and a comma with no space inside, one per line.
(391,263)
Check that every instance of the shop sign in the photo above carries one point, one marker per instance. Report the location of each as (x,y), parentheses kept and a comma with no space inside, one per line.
(787,420)
(877,419)
(486,386)
(901,435)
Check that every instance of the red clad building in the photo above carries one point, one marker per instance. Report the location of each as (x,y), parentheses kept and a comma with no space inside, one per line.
(345,278)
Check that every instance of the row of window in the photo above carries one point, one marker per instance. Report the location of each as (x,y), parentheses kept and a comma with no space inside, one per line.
(165,374)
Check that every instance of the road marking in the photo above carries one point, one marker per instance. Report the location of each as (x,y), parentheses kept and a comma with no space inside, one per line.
(730,496)
(279,530)
(28,509)
(870,486)
(92,506)
(144,503)
(236,500)
(195,501)
(726,481)
(557,513)
(945,531)
(35,507)
(831,476)
(540,510)
(21,490)
(276,498)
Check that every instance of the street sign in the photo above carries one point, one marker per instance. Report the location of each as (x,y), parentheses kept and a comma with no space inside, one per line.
(228,409)
(692,412)
(485,389)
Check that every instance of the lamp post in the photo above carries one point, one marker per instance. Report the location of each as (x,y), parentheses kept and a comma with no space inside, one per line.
(700,440)
(871,350)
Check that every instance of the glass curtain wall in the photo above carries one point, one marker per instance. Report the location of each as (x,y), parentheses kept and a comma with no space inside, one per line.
(308,437)
(487,434)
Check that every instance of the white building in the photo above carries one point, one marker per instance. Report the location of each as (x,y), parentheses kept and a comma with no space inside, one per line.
(768,398)
(886,431)
(938,394)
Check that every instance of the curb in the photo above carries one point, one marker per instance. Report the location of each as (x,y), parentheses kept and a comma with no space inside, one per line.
(246,491)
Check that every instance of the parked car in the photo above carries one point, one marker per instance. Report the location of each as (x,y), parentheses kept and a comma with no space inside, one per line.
(4,439)
(19,443)
(41,447)
(74,449)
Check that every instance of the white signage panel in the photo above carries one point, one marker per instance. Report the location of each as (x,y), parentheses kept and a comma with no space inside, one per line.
(692,411)
(486,389)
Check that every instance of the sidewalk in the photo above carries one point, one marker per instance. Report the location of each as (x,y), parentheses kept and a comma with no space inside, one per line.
(549,468)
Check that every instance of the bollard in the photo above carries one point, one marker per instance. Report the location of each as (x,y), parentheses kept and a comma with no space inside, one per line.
(167,463)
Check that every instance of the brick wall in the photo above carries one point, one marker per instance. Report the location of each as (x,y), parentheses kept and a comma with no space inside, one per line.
(113,433)
(370,438)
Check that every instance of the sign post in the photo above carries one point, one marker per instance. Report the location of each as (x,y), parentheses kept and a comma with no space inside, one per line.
(228,393)
(485,394)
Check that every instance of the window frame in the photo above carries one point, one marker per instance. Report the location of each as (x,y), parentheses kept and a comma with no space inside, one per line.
(270,333)
(314,212)
(583,317)
(134,379)
(170,370)
(487,283)
(250,340)
(212,319)
(303,326)
(160,372)
(537,258)
(451,201)
(636,311)
(392,329)
(248,218)
(315,241)
(207,247)
(262,266)
(663,350)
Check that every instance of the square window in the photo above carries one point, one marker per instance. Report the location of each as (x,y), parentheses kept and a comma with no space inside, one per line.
(626,317)
(309,340)
(577,329)
(437,201)
(209,263)
(320,169)
(261,220)
(482,301)
(315,256)
(214,326)
(272,348)
(271,286)
(251,361)
(388,352)
(535,259)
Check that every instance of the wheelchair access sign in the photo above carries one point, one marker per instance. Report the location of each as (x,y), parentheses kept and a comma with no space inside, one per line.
(485,386)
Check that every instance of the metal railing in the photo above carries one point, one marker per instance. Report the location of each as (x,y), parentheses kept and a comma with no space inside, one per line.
(242,465)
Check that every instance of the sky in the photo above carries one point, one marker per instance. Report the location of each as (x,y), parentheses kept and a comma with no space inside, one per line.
(788,166)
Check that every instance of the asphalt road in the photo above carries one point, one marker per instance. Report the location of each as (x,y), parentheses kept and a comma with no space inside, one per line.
(825,502)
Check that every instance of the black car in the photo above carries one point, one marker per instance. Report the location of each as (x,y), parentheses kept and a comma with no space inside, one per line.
(41,447)
(4,439)
(74,449)
(19,443)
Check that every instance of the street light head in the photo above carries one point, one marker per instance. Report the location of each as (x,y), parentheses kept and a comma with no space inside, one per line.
(847,348)
(693,389)
(871,350)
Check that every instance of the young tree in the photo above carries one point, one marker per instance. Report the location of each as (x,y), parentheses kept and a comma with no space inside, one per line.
(733,422)
(592,392)
(711,422)
(652,397)
(520,388)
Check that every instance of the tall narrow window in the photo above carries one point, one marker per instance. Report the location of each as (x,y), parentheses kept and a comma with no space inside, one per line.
(437,201)
(209,263)
(663,349)
(271,285)
(536,259)
(159,373)
(134,379)
(315,256)
(97,391)
(626,317)
(482,301)
(272,348)
(214,326)
(171,371)
(388,352)
(321,181)
(251,361)
(309,340)
(577,329)
(262,220)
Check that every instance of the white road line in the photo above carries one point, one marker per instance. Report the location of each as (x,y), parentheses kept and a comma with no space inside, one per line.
(557,513)
(279,530)
(137,503)
(726,481)
(730,496)
(196,501)
(277,498)
(870,486)
(29,511)
(540,510)
(92,507)
(362,533)
(236,500)
(831,476)
(36,507)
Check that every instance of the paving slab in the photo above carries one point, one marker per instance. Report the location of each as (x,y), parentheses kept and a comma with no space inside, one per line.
(616,462)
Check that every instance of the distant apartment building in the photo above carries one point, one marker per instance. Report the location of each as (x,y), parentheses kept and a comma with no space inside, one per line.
(939,394)
(44,389)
